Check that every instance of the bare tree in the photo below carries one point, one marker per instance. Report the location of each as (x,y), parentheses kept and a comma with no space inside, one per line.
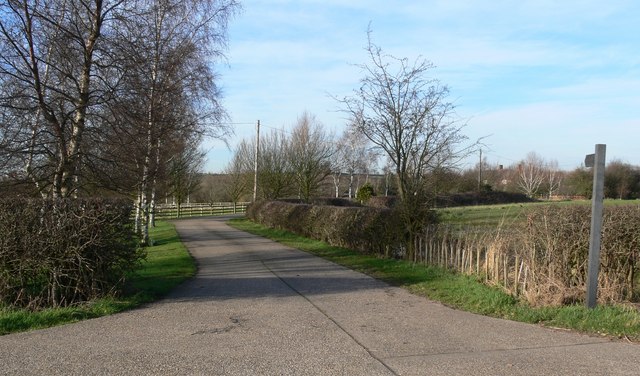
(102,86)
(51,68)
(310,150)
(388,177)
(357,154)
(531,174)
(238,172)
(622,180)
(185,170)
(579,182)
(275,174)
(338,165)
(352,156)
(167,47)
(554,177)
(405,113)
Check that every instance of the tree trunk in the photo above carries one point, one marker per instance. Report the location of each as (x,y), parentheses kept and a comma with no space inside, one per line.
(72,165)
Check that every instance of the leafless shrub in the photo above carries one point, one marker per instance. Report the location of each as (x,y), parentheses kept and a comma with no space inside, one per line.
(61,252)
(544,259)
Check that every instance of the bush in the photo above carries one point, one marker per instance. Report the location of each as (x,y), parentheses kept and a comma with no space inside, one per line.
(364,229)
(364,193)
(61,252)
(459,199)
(556,249)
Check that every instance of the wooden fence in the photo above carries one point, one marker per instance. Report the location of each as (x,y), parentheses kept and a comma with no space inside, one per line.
(172,211)
(488,254)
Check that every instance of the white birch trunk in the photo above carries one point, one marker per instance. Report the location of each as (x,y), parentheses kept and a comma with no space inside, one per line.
(138,218)
(336,183)
(144,186)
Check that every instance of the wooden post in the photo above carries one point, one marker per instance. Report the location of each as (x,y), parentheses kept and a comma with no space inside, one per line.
(597,162)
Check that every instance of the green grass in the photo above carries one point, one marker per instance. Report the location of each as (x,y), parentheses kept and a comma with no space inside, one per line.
(167,265)
(483,215)
(462,291)
(505,214)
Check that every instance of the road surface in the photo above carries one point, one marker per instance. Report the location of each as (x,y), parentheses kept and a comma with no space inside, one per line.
(256,307)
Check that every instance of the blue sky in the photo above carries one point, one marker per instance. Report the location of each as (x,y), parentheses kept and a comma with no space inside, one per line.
(551,76)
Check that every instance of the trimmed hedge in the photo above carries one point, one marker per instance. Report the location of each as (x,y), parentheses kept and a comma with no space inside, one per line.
(364,229)
(61,252)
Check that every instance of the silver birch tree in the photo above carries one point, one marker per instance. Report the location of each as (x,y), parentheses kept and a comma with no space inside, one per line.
(531,174)
(50,66)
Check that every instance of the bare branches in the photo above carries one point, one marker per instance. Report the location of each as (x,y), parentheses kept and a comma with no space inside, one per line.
(310,150)
(80,75)
(405,113)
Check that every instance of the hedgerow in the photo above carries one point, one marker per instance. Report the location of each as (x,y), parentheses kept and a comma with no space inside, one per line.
(364,229)
(555,248)
(61,252)
(542,258)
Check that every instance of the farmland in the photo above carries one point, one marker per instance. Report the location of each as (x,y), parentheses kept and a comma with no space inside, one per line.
(505,214)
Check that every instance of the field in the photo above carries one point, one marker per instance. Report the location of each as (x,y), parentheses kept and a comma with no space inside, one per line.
(505,214)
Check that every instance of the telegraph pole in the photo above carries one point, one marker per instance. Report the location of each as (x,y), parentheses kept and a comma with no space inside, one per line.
(255,163)
(480,171)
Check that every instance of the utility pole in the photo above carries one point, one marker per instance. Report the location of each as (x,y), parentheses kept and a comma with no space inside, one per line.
(480,171)
(597,162)
(255,163)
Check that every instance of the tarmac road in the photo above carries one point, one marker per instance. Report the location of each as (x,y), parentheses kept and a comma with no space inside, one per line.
(259,308)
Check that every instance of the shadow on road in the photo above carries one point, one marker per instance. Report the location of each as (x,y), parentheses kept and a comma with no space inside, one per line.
(235,264)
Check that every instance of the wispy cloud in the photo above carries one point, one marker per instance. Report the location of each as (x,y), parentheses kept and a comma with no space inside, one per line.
(542,73)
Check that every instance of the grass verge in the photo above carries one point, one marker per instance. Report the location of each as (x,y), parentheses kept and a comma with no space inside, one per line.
(167,265)
(462,291)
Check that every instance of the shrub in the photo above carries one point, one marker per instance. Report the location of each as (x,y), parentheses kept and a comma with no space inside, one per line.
(556,248)
(364,193)
(364,229)
(60,252)
(544,257)
(323,201)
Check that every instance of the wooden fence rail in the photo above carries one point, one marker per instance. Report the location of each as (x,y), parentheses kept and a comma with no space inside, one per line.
(173,211)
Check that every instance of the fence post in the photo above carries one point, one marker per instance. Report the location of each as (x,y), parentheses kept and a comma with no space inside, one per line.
(597,162)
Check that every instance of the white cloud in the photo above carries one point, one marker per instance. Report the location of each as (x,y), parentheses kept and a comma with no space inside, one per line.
(542,75)
(556,130)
